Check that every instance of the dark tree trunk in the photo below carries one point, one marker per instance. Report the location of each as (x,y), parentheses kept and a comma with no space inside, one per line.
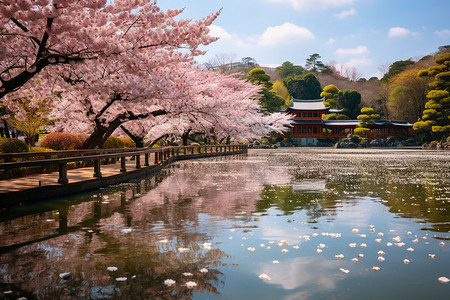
(139,141)
(185,137)
(95,139)
(102,133)
(6,129)
(155,141)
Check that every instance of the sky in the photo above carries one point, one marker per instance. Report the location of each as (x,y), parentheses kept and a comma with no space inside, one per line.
(368,35)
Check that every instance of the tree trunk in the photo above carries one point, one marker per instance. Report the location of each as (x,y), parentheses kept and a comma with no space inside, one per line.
(185,137)
(95,139)
(155,141)
(6,129)
(139,141)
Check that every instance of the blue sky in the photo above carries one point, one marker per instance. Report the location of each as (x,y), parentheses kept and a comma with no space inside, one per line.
(366,34)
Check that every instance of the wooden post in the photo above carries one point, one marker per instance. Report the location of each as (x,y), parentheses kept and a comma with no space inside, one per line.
(63,173)
(97,172)
(147,158)
(156,158)
(123,164)
(138,161)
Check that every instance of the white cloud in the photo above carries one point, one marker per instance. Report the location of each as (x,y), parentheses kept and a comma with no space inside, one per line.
(219,32)
(360,50)
(314,4)
(443,33)
(350,69)
(358,62)
(330,42)
(346,13)
(285,34)
(400,32)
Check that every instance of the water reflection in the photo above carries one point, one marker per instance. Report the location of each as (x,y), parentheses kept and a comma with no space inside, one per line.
(179,222)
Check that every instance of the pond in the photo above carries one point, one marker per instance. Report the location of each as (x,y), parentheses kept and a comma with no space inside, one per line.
(292,223)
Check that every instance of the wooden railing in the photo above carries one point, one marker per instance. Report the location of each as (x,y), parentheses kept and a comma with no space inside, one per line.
(96,156)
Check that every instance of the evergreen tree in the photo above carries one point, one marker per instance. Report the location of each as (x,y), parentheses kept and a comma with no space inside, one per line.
(436,115)
(271,101)
(303,86)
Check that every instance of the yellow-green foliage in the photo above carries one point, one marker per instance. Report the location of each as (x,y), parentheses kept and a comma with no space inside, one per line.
(437,95)
(13,146)
(335,117)
(367,110)
(422,126)
(113,142)
(127,142)
(437,109)
(280,89)
(331,95)
(362,131)
(40,149)
(440,128)
(363,117)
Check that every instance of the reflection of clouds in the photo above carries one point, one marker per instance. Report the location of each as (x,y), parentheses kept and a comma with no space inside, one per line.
(309,185)
(272,233)
(303,272)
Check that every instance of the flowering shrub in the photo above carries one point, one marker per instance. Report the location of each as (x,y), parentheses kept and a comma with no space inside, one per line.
(62,141)
(13,146)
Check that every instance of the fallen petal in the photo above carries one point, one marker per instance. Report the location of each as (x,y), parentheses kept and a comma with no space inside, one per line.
(190,284)
(264,277)
(443,279)
(169,282)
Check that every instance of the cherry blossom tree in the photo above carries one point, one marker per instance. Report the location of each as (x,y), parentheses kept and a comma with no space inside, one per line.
(110,64)
(209,100)
(38,34)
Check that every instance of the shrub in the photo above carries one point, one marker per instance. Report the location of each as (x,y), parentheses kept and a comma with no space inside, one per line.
(356,139)
(40,149)
(61,141)
(328,139)
(13,146)
(113,142)
(127,142)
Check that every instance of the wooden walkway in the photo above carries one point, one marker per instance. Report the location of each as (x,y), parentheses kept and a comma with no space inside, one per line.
(66,181)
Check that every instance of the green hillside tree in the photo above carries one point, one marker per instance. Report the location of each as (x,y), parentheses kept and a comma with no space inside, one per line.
(280,89)
(289,69)
(313,64)
(303,86)
(396,68)
(270,100)
(350,100)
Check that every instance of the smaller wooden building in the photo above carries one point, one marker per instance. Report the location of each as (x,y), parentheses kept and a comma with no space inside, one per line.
(308,122)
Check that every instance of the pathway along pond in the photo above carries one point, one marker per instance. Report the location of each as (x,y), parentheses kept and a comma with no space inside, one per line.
(315,221)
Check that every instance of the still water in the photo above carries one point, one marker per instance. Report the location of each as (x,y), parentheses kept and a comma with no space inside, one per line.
(273,224)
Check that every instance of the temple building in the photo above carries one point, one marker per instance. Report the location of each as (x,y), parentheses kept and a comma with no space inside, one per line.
(308,124)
